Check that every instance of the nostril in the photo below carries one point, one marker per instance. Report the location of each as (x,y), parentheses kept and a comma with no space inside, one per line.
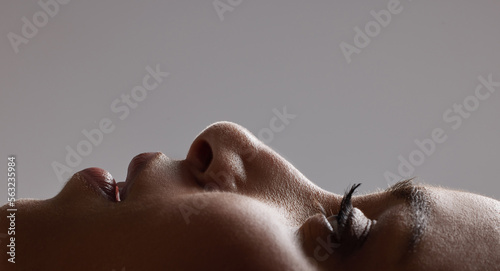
(202,155)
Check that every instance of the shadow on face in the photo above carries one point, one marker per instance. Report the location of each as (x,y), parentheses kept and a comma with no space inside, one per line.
(234,203)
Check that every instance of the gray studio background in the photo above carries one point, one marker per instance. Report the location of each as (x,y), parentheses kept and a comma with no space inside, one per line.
(243,63)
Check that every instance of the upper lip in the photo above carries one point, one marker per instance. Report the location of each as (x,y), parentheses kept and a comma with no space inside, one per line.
(134,168)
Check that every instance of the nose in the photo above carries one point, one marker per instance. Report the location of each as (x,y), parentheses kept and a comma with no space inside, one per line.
(221,154)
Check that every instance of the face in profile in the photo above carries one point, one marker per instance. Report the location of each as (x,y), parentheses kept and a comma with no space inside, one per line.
(235,204)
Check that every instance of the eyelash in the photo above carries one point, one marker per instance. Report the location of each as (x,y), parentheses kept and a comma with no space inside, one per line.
(342,220)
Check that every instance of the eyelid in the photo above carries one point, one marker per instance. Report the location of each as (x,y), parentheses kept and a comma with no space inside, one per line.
(360,225)
(350,233)
(343,218)
(333,220)
(350,226)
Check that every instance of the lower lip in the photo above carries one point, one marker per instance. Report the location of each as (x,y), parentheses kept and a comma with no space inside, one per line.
(101,181)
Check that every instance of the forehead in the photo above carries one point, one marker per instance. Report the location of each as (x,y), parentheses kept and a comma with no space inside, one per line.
(462,233)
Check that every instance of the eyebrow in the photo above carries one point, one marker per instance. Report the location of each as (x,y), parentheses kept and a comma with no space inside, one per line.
(419,203)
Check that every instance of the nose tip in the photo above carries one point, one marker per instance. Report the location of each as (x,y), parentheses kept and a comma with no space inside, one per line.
(219,155)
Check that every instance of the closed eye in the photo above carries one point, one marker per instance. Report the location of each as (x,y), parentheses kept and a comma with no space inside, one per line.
(350,226)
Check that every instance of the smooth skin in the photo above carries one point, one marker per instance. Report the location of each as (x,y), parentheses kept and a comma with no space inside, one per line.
(235,204)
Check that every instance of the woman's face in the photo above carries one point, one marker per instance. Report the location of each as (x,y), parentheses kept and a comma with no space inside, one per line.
(235,204)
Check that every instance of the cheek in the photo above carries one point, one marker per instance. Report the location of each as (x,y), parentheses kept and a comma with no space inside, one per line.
(217,230)
(271,177)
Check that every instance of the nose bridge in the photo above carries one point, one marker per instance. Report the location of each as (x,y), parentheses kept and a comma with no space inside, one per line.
(221,153)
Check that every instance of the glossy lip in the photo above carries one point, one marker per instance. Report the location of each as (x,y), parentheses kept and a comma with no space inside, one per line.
(101,181)
(134,168)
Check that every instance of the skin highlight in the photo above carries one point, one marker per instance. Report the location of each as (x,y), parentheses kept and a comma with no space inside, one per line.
(234,203)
